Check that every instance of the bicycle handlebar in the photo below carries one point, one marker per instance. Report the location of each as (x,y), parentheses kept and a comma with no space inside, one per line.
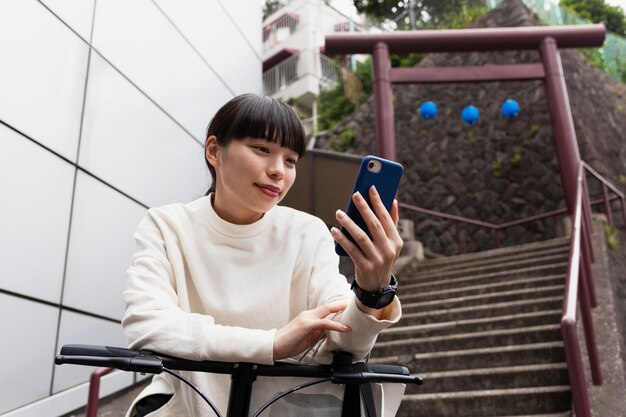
(145,361)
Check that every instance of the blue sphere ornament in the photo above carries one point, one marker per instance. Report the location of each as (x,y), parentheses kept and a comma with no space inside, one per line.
(470,115)
(428,110)
(510,109)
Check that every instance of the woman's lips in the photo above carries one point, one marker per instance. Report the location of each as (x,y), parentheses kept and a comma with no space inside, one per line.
(269,190)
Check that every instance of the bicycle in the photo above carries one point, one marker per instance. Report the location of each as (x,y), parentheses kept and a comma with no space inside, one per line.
(355,376)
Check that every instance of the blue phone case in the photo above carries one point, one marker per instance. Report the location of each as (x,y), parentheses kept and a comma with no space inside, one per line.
(386,182)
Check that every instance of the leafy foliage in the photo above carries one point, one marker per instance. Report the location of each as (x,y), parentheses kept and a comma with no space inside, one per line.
(333,105)
(599,11)
(427,13)
(270,6)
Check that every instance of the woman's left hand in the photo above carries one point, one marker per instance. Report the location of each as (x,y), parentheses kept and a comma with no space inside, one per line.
(373,259)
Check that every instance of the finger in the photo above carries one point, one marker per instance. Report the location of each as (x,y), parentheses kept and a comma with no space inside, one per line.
(326,309)
(361,238)
(370,215)
(327,324)
(351,249)
(385,218)
(395,214)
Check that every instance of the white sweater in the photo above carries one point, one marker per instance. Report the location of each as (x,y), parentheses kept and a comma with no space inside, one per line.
(204,289)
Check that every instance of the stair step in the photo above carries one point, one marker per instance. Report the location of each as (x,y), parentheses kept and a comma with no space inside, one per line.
(535,318)
(482,288)
(481,310)
(490,298)
(535,247)
(492,338)
(479,403)
(487,277)
(563,414)
(520,376)
(447,360)
(427,266)
(493,266)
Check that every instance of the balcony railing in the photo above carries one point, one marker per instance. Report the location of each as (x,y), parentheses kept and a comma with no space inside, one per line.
(330,72)
(279,30)
(280,76)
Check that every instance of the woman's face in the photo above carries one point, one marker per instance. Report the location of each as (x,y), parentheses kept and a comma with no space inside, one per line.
(253,175)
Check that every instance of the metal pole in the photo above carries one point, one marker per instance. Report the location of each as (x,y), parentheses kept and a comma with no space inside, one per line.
(567,152)
(607,204)
(621,201)
(590,338)
(385,128)
(586,264)
(580,394)
(565,141)
(588,219)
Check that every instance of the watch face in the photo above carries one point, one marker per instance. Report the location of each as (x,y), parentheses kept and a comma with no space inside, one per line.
(385,299)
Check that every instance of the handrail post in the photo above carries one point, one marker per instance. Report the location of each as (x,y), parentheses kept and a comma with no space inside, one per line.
(93,397)
(590,338)
(588,215)
(580,394)
(607,204)
(621,201)
(586,264)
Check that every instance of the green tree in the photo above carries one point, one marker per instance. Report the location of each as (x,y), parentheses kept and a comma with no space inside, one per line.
(334,106)
(598,11)
(416,14)
(270,6)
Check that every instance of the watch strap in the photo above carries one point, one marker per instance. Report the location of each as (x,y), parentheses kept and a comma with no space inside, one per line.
(378,299)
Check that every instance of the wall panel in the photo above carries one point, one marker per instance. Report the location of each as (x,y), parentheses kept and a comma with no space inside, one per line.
(42,76)
(81,329)
(100,249)
(192,16)
(77,14)
(132,145)
(36,188)
(28,354)
(158,60)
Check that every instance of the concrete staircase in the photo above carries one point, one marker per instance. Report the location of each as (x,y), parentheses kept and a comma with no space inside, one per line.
(483,329)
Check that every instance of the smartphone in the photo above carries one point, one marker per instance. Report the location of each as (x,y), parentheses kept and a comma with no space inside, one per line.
(385,176)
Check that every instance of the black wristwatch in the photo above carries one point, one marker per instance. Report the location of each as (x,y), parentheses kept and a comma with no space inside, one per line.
(379,299)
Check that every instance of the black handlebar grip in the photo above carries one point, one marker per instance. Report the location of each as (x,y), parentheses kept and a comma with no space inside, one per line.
(390,369)
(143,364)
(99,351)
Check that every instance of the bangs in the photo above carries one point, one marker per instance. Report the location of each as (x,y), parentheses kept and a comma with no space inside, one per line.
(269,119)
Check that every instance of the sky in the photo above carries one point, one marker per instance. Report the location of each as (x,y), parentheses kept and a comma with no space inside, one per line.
(621,3)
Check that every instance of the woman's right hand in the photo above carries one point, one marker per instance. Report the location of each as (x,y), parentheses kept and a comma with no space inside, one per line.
(305,329)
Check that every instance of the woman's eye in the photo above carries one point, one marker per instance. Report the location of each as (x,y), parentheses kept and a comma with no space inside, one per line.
(263,149)
(292,161)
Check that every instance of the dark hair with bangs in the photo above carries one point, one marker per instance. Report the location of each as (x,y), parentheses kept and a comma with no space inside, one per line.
(256,116)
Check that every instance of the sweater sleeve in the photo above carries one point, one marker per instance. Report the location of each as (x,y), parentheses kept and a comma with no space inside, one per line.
(154,318)
(328,285)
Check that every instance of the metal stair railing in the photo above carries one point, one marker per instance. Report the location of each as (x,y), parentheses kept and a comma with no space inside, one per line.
(577,291)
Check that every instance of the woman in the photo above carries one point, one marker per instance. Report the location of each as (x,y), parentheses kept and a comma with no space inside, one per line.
(234,277)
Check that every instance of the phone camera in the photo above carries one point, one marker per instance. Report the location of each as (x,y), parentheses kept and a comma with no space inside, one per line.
(371,164)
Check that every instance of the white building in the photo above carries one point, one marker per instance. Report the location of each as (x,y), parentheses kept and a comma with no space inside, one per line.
(103,111)
(294,65)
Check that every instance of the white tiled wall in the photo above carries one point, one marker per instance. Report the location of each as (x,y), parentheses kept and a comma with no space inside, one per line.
(36,189)
(101,245)
(26,365)
(103,109)
(42,78)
